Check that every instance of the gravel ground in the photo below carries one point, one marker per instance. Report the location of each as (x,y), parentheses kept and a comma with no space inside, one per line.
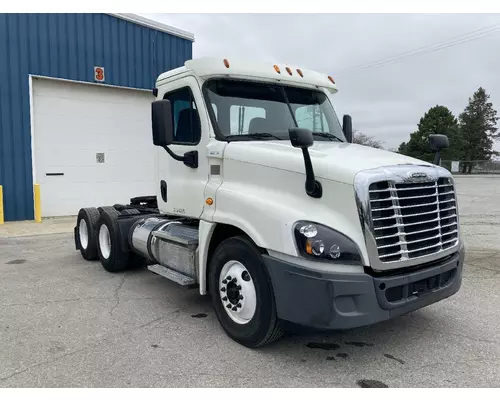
(66,322)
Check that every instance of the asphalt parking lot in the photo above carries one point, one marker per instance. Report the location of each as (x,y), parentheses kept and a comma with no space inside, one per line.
(67,322)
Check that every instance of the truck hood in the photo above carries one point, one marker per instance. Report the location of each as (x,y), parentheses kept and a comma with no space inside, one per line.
(331,160)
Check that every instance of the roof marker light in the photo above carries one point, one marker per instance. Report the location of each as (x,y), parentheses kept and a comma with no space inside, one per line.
(331,79)
(288,70)
(300,73)
(277,69)
(226,63)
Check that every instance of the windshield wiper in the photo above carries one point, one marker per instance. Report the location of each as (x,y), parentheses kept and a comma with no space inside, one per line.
(254,136)
(327,135)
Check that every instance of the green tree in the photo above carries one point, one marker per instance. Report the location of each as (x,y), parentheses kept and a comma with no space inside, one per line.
(438,120)
(478,130)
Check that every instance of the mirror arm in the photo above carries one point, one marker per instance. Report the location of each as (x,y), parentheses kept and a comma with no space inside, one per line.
(437,157)
(189,159)
(173,155)
(313,187)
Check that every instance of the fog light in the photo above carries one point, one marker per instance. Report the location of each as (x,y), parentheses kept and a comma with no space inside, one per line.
(318,247)
(335,251)
(309,231)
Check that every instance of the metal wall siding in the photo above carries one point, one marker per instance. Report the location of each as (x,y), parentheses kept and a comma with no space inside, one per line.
(67,46)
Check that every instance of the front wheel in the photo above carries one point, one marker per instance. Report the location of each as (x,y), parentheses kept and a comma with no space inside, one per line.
(242,293)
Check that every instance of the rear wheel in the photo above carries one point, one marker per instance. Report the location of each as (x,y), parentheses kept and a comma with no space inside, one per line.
(113,257)
(242,293)
(86,234)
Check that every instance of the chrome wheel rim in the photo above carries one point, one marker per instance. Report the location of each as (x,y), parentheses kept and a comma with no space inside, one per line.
(104,241)
(237,292)
(83,233)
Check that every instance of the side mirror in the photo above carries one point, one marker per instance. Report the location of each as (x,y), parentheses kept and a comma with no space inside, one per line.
(347,128)
(438,142)
(301,137)
(163,130)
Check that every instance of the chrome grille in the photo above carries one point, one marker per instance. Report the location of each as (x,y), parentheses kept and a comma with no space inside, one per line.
(411,220)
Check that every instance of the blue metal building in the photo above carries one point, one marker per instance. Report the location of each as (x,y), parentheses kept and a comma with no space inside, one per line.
(132,50)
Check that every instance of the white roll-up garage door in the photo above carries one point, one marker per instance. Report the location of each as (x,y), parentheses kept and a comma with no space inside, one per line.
(92,145)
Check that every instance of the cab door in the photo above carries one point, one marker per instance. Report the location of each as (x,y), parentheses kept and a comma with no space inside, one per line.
(181,187)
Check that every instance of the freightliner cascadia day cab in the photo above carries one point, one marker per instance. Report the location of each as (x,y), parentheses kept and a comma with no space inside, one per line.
(264,204)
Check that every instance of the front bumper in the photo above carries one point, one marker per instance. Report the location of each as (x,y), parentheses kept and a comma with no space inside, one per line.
(342,301)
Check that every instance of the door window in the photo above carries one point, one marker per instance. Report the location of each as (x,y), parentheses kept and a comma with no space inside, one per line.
(186,120)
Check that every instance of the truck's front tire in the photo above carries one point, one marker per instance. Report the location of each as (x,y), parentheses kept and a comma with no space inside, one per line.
(242,293)
(86,234)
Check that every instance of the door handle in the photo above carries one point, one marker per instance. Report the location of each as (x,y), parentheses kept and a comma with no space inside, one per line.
(163,190)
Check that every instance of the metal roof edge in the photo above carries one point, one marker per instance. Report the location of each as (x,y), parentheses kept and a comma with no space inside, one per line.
(149,23)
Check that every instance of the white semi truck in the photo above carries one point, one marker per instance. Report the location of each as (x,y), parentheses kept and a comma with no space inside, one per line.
(265,204)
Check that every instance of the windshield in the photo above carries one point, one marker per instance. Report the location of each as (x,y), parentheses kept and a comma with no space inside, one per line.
(243,110)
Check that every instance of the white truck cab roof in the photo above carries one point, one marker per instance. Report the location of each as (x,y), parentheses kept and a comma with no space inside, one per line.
(210,67)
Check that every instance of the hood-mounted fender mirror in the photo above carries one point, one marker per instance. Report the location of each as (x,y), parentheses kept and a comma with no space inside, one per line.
(438,143)
(302,138)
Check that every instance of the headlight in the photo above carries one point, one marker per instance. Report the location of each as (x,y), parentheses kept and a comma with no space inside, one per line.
(321,243)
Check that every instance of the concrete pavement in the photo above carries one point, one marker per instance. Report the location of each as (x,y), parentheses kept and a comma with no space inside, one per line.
(65,322)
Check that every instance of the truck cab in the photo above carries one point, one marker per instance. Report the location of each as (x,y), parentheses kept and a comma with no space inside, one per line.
(264,203)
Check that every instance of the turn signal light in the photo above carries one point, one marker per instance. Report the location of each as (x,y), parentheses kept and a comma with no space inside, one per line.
(316,247)
(209,201)
(226,63)
(309,249)
(277,69)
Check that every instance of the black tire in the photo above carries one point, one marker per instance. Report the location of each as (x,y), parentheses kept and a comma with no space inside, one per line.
(117,260)
(264,327)
(90,216)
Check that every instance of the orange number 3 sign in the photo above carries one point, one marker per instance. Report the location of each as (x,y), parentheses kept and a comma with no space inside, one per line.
(99,74)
